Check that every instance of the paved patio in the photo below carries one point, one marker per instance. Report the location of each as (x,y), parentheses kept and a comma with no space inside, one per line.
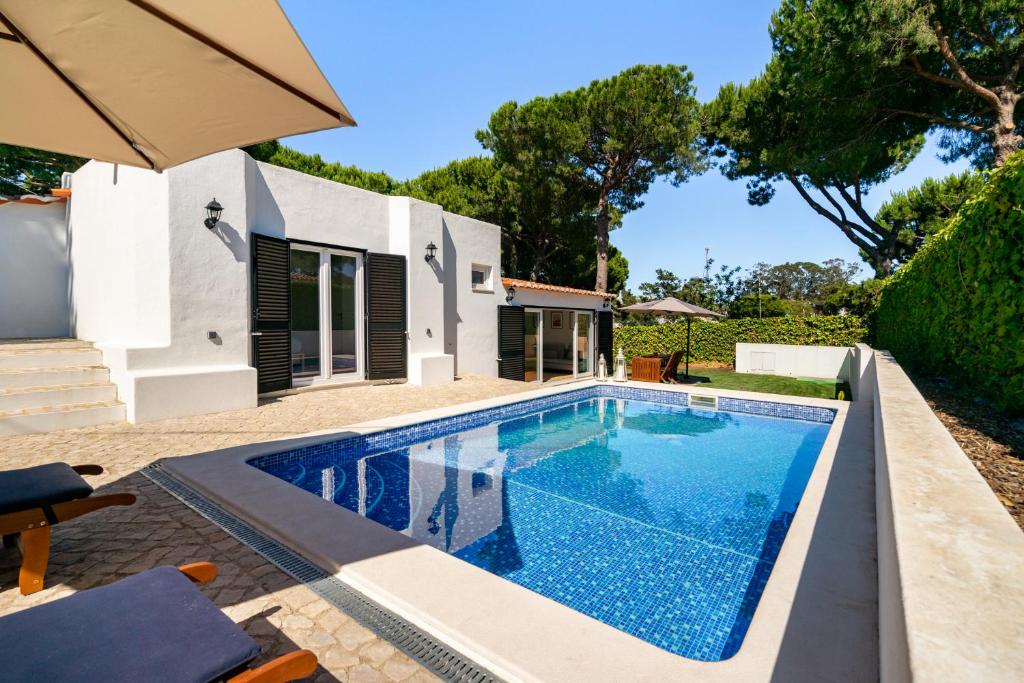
(279,613)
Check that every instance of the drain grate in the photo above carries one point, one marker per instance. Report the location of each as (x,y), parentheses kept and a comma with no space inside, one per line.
(436,657)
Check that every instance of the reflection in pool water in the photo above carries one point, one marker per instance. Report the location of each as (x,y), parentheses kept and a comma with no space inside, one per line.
(659,520)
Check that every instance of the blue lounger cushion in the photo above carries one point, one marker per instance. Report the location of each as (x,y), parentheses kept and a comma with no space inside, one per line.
(153,626)
(35,487)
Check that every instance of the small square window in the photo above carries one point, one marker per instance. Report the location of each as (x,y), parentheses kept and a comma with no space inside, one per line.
(480,278)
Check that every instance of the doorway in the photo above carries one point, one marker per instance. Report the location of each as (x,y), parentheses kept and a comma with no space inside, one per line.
(558,344)
(325,315)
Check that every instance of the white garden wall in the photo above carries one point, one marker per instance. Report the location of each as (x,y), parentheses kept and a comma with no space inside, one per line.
(824,362)
(950,587)
(33,270)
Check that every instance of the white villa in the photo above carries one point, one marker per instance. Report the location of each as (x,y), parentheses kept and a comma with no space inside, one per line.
(301,282)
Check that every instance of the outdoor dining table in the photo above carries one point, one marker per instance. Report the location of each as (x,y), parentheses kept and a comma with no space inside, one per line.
(648,368)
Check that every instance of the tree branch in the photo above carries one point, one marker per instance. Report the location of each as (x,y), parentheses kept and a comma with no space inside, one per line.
(858,209)
(940,120)
(961,73)
(839,223)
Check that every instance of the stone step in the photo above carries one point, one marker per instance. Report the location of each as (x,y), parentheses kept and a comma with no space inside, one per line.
(54,418)
(12,345)
(48,377)
(37,397)
(48,357)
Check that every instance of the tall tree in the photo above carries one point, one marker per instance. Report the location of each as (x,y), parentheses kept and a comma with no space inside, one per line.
(607,141)
(850,91)
(33,171)
(953,65)
(769,131)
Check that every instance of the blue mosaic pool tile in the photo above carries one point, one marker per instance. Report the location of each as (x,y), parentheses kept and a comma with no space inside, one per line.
(403,436)
(620,502)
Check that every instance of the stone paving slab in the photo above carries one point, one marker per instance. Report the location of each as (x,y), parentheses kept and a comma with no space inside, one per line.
(279,613)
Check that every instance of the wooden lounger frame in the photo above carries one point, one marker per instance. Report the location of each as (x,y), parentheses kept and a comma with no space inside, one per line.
(289,667)
(34,528)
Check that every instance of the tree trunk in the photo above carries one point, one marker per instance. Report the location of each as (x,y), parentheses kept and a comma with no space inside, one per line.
(1006,141)
(603,221)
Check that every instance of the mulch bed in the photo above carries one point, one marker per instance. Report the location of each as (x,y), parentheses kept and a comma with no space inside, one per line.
(993,441)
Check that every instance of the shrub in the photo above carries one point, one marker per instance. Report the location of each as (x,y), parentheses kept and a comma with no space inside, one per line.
(716,340)
(957,308)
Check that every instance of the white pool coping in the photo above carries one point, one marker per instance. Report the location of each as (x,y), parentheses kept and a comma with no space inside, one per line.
(816,620)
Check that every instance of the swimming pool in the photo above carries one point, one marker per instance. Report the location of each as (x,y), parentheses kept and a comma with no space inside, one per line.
(627,505)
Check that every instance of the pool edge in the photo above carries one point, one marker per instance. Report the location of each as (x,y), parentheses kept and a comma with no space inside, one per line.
(380,565)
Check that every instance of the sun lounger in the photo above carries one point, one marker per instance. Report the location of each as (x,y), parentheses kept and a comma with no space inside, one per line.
(34,499)
(153,626)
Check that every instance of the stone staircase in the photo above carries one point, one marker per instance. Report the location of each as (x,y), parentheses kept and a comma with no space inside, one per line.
(52,384)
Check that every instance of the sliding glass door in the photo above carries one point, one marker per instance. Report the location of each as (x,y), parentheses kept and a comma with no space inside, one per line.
(558,344)
(305,313)
(583,323)
(326,315)
(344,268)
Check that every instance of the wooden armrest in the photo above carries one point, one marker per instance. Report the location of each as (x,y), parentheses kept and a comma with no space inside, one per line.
(289,667)
(25,520)
(199,572)
(87,469)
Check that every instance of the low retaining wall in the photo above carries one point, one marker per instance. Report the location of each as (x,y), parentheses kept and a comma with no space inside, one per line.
(950,558)
(825,362)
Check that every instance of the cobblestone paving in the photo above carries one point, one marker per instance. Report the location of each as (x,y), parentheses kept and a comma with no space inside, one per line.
(276,611)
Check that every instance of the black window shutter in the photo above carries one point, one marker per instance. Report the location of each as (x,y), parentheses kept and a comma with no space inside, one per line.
(271,304)
(604,337)
(386,342)
(511,345)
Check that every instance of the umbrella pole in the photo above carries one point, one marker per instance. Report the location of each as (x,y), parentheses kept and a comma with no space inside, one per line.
(688,321)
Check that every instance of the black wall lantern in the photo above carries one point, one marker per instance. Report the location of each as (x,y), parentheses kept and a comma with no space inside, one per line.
(213,211)
(431,250)
(511,294)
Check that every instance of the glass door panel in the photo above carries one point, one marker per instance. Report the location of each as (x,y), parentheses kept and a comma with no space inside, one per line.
(343,314)
(305,313)
(582,343)
(532,345)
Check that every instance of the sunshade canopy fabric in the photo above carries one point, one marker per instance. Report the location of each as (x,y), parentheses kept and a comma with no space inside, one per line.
(155,83)
(671,305)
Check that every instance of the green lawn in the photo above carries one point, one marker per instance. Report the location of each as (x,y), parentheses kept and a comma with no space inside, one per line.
(770,384)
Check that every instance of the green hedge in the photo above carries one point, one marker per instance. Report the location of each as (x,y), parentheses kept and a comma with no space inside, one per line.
(716,341)
(957,308)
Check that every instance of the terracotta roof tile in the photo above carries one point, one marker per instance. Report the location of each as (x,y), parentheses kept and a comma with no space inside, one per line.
(530,284)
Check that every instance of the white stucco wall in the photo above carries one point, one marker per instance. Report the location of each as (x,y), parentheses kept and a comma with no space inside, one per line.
(826,362)
(119,256)
(471,316)
(541,298)
(33,270)
(289,204)
(150,282)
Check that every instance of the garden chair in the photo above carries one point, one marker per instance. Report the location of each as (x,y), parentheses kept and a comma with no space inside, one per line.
(34,499)
(671,369)
(153,626)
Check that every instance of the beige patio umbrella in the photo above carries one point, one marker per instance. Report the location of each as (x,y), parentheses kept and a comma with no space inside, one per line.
(155,83)
(674,306)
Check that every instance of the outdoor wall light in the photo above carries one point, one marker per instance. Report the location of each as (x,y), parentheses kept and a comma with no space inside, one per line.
(510,295)
(431,250)
(213,211)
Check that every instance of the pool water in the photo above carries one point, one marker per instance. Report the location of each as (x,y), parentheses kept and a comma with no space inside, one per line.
(659,520)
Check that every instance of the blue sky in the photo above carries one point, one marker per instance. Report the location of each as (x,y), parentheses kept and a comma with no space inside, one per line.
(422,77)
